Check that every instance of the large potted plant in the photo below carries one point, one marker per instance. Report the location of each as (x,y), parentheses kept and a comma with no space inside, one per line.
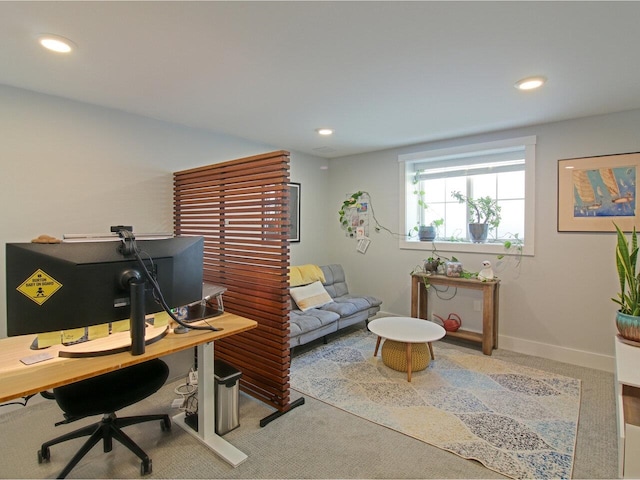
(628,316)
(486,213)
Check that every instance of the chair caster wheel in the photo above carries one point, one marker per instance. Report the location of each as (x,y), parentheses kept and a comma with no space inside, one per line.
(146,467)
(165,425)
(44,455)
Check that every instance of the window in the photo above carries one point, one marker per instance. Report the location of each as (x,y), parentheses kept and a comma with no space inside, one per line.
(503,171)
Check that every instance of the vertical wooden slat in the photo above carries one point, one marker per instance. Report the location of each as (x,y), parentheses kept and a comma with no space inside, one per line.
(241,208)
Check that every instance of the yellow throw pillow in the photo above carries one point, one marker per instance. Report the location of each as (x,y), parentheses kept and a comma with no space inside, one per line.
(304,275)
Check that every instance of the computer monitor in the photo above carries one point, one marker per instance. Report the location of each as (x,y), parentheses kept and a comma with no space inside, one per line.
(53,287)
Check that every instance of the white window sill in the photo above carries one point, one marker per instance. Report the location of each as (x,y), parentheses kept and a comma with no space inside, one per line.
(464,247)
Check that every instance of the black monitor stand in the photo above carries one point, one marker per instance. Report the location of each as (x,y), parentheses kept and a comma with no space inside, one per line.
(137,319)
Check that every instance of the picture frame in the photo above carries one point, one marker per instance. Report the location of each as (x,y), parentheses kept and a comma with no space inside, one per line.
(596,192)
(294,212)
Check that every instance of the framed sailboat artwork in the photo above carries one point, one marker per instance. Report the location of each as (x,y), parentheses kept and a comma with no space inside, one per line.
(596,192)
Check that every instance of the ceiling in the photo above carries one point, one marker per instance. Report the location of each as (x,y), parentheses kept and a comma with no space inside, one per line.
(382,74)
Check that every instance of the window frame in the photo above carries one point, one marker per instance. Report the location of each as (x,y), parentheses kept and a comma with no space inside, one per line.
(405,180)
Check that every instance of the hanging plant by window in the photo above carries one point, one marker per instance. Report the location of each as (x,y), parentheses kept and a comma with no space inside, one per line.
(347,211)
(360,203)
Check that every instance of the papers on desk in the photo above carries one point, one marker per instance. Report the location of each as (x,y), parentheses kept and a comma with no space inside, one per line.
(94,332)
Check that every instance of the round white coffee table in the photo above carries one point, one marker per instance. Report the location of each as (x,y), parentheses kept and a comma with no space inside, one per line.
(408,331)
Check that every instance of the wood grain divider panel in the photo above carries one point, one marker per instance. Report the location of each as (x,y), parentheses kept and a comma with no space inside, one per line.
(241,208)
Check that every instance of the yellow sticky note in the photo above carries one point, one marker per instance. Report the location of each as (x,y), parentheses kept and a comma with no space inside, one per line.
(160,319)
(98,331)
(73,335)
(120,326)
(49,338)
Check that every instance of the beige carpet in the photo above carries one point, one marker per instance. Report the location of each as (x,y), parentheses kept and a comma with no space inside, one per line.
(518,421)
(315,440)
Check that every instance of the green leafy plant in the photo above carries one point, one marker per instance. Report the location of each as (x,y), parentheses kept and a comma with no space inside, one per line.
(482,209)
(436,223)
(514,245)
(354,202)
(351,202)
(431,264)
(421,203)
(419,194)
(626,261)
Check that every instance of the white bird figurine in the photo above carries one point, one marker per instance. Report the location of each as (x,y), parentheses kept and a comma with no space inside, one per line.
(487,272)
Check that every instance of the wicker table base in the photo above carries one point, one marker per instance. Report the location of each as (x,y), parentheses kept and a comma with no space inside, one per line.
(394,355)
(408,340)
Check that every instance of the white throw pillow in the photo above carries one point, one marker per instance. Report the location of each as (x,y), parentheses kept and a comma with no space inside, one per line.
(310,296)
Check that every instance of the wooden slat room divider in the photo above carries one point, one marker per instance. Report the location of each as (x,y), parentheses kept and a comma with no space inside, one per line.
(241,208)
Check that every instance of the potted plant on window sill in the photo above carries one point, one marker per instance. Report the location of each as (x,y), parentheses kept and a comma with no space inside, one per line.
(628,315)
(486,213)
(428,233)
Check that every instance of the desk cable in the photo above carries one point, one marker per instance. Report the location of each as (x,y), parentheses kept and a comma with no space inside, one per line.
(187,389)
(22,402)
(129,247)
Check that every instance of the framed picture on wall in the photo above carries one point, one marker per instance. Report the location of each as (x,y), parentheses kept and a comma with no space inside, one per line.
(596,192)
(294,212)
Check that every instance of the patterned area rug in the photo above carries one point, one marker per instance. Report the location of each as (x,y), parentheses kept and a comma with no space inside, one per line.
(518,421)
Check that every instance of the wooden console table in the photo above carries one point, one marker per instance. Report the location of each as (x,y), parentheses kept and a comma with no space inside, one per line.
(489,335)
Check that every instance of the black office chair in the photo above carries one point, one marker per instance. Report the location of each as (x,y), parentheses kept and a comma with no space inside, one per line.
(104,395)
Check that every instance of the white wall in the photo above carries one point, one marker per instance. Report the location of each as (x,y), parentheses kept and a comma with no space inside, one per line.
(69,167)
(314,183)
(558,304)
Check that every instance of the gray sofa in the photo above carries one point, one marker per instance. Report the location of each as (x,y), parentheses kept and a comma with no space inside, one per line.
(345,310)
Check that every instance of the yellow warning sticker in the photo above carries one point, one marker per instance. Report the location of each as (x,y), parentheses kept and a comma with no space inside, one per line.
(39,287)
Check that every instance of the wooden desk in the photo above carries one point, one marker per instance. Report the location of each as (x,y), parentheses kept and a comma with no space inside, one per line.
(489,335)
(18,380)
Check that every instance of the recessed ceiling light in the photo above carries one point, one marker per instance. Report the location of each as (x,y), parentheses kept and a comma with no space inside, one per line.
(530,83)
(324,131)
(56,43)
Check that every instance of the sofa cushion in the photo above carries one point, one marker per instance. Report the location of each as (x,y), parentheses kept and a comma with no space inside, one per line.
(335,280)
(310,296)
(310,320)
(373,301)
(347,306)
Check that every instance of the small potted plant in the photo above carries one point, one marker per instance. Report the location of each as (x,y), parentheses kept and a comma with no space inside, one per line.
(628,316)
(427,233)
(486,213)
(431,264)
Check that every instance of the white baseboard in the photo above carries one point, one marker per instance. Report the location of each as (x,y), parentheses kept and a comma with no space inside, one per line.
(559,354)
(552,352)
